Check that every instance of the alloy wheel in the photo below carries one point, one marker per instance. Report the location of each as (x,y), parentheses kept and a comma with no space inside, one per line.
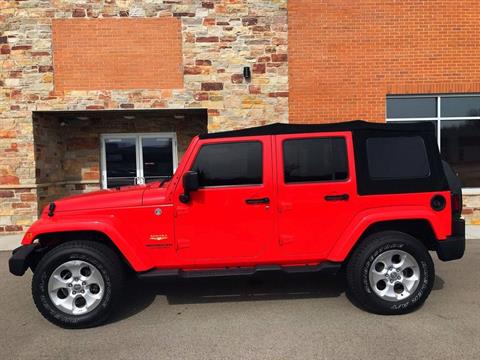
(394,275)
(76,287)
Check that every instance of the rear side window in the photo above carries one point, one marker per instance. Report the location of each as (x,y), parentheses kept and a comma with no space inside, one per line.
(315,159)
(397,158)
(227,164)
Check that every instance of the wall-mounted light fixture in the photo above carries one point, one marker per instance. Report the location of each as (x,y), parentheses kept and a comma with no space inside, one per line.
(246,73)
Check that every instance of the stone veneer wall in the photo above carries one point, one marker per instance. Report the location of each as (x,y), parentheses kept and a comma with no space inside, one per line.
(471,209)
(219,38)
(68,157)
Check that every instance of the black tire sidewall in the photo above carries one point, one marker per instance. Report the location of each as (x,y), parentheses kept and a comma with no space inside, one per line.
(40,287)
(391,242)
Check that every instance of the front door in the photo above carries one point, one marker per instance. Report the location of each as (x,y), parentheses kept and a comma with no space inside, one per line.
(316,192)
(229,220)
(129,159)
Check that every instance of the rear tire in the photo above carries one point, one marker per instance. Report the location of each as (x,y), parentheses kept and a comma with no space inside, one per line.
(77,284)
(390,273)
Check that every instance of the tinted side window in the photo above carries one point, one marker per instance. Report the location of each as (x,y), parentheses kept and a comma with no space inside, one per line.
(397,158)
(315,159)
(229,164)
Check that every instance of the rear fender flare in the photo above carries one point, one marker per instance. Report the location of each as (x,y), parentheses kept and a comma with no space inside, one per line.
(365,219)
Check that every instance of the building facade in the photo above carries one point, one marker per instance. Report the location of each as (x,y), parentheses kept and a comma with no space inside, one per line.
(98,94)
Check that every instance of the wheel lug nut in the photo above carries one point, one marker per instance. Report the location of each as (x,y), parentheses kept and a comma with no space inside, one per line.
(83,291)
(74,292)
(84,283)
(69,285)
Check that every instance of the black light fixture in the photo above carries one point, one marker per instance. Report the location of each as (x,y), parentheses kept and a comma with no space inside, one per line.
(246,73)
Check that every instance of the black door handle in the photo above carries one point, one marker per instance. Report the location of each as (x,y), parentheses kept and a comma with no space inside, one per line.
(342,197)
(265,200)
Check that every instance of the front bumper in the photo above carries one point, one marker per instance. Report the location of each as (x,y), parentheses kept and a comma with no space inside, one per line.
(21,259)
(453,247)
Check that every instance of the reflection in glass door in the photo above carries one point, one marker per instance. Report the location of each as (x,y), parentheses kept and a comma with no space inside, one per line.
(120,161)
(157,158)
(129,159)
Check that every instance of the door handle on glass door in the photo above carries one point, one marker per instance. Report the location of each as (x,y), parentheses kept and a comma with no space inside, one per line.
(139,180)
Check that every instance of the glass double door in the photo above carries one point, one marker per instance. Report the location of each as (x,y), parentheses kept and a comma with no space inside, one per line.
(129,159)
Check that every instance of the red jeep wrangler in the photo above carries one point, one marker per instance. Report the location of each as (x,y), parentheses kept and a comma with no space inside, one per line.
(373,198)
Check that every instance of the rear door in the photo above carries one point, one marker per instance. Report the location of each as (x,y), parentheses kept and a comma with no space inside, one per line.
(316,192)
(229,219)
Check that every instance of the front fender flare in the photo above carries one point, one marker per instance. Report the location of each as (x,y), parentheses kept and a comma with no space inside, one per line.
(138,260)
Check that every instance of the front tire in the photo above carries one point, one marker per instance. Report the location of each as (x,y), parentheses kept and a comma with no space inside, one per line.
(390,273)
(77,284)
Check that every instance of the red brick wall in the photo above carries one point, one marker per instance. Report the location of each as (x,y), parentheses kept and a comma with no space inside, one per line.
(93,54)
(345,56)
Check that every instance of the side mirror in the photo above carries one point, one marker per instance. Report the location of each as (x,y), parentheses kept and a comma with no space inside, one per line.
(190,183)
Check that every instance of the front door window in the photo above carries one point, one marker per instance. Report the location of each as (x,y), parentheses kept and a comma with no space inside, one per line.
(129,159)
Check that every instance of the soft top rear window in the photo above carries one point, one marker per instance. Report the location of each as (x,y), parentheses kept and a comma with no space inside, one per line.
(402,157)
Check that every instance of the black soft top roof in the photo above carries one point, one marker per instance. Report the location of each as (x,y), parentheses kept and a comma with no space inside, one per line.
(277,128)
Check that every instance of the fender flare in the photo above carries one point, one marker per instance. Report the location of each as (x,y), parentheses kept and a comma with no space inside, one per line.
(101,225)
(360,223)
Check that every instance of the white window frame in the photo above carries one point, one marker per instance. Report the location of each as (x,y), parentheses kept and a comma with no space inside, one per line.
(437,119)
(139,179)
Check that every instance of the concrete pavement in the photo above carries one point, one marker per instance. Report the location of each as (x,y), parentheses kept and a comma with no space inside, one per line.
(272,316)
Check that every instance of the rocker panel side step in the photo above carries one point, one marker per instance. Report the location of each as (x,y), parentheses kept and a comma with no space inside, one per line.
(238,271)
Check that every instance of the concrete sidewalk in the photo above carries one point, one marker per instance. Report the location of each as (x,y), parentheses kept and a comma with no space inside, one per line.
(473,231)
(10,242)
